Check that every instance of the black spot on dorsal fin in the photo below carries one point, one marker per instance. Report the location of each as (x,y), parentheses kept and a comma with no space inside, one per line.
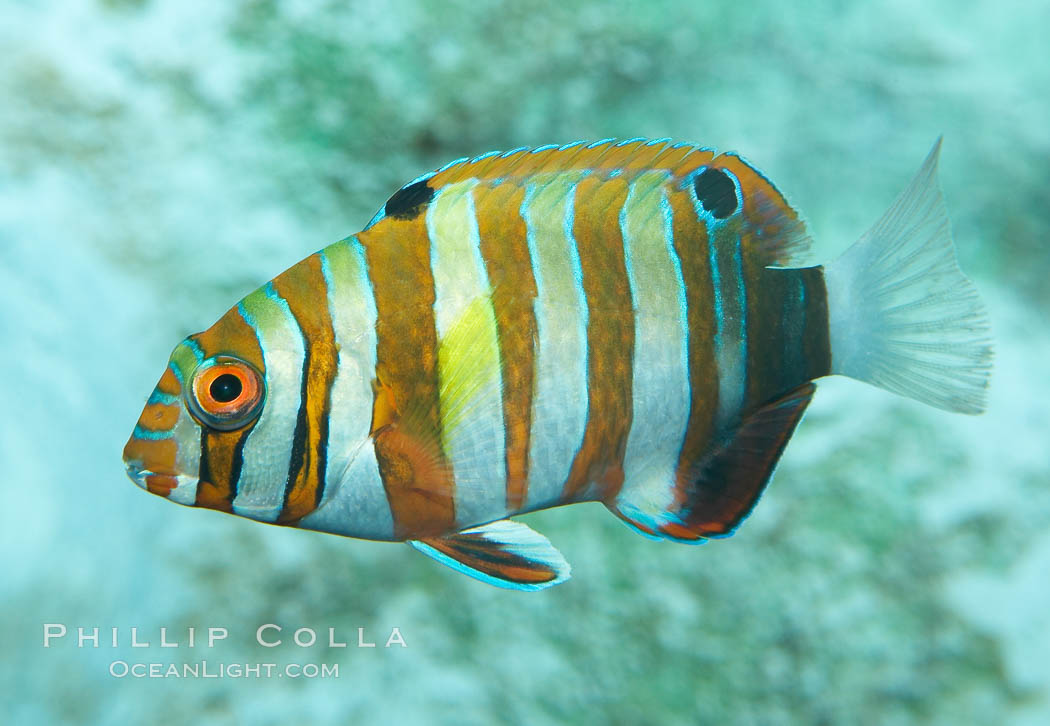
(408,201)
(716,191)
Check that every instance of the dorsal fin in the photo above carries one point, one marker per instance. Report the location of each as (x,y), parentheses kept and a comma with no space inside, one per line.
(772,233)
(608,155)
(728,481)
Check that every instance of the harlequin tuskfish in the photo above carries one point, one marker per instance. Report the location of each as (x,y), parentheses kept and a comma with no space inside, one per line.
(631,322)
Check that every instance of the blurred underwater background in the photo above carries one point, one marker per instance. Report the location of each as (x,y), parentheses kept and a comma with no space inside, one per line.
(159,159)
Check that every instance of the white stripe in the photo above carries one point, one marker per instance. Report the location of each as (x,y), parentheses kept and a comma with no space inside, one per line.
(660,380)
(185,491)
(354,502)
(732,346)
(186,432)
(730,308)
(559,406)
(267,452)
(475,446)
(187,458)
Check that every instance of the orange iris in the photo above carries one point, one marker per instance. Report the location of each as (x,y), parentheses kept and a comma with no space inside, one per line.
(226,393)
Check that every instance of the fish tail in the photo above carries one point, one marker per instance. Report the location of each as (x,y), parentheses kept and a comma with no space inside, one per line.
(902,315)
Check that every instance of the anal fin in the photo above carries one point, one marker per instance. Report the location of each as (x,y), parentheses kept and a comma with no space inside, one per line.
(728,481)
(503,553)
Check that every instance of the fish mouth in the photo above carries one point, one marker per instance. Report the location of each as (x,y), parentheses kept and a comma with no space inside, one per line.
(136,473)
(160,483)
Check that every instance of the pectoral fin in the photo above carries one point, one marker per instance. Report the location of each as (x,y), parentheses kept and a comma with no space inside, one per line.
(504,553)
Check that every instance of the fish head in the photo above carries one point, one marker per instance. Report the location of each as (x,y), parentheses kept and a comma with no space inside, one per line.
(187,443)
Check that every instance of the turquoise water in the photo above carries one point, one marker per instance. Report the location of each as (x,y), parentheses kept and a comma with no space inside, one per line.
(158,160)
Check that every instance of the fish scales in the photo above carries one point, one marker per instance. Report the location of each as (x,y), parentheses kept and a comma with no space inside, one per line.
(303,287)
(660,370)
(513,287)
(415,473)
(559,395)
(466,327)
(351,449)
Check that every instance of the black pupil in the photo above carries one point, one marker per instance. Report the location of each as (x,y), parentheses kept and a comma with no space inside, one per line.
(225,388)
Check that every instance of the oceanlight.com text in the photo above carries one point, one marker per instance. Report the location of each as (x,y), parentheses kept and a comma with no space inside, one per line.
(211,669)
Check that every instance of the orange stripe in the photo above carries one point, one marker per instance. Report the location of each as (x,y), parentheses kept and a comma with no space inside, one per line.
(161,484)
(506,254)
(683,161)
(220,456)
(160,453)
(220,467)
(230,335)
(303,288)
(159,416)
(691,244)
(610,338)
(169,383)
(415,473)
(634,155)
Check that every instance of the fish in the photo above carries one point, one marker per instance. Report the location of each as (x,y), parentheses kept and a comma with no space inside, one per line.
(634,322)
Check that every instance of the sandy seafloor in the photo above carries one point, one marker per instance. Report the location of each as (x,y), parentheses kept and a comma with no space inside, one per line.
(159,160)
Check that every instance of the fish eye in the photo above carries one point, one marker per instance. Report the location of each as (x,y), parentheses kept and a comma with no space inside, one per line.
(225,393)
(226,388)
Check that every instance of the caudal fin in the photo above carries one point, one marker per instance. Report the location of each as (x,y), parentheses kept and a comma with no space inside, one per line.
(903,316)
